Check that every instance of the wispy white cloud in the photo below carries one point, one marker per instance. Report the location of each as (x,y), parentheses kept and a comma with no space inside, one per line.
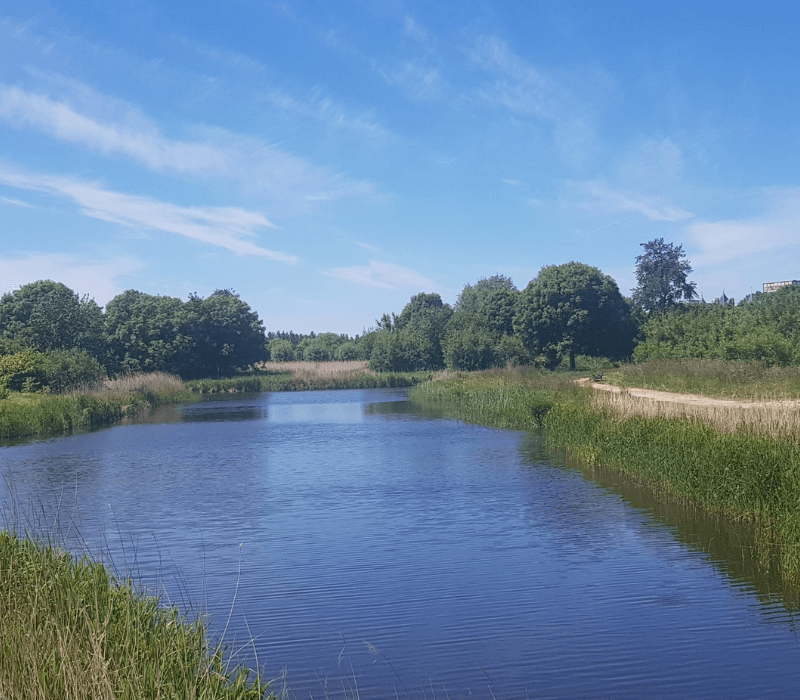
(605,199)
(366,246)
(328,112)
(214,153)
(315,104)
(732,239)
(523,89)
(224,227)
(59,120)
(100,278)
(384,275)
(15,202)
(413,29)
(420,81)
(511,181)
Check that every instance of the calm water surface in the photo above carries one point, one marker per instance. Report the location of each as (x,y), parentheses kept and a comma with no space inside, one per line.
(379,551)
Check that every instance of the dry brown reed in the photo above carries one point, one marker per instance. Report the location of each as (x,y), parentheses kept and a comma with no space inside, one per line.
(320,370)
(121,388)
(777,420)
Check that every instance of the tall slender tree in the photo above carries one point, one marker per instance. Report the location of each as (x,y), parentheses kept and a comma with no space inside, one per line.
(661,277)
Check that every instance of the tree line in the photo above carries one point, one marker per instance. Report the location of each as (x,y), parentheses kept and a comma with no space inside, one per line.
(49,336)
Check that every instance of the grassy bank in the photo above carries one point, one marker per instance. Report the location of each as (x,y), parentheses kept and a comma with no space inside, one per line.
(86,407)
(735,465)
(68,630)
(107,401)
(305,376)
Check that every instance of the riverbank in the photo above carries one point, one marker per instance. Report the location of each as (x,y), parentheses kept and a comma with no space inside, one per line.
(109,401)
(68,629)
(308,376)
(84,408)
(739,463)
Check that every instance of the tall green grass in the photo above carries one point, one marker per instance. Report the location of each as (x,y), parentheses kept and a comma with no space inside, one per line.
(89,406)
(69,630)
(742,474)
(42,414)
(718,378)
(514,399)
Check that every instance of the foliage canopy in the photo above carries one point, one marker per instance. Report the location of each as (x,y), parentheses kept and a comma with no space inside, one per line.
(661,276)
(573,309)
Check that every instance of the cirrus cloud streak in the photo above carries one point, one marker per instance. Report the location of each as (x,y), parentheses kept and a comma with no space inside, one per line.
(223,227)
(383,275)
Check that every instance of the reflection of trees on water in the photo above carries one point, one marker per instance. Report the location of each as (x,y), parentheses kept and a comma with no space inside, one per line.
(732,546)
(403,408)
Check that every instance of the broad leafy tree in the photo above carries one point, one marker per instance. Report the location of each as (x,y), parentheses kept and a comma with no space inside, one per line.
(47,316)
(226,335)
(280,350)
(481,327)
(573,309)
(492,299)
(148,333)
(322,348)
(662,277)
(199,338)
(413,340)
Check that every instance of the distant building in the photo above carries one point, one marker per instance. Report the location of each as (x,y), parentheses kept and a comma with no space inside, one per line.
(724,300)
(773,286)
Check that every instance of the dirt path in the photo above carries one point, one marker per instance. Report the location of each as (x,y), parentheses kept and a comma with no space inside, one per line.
(689,399)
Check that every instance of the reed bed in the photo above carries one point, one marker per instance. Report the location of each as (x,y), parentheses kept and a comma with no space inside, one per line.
(304,376)
(340,369)
(717,378)
(69,630)
(154,387)
(42,414)
(87,406)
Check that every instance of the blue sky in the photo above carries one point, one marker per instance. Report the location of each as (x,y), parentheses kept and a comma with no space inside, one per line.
(328,160)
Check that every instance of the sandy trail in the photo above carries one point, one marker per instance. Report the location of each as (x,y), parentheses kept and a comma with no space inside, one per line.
(689,399)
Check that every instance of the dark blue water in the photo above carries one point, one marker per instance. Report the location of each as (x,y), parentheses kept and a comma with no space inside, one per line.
(369,550)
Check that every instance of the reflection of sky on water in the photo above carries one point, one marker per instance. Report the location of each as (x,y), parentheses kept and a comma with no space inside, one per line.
(344,516)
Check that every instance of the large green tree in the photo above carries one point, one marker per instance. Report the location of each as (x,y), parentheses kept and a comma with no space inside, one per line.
(148,333)
(573,309)
(46,316)
(208,337)
(226,334)
(492,299)
(412,340)
(662,273)
(479,334)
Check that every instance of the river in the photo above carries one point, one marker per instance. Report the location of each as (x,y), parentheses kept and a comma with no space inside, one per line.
(359,547)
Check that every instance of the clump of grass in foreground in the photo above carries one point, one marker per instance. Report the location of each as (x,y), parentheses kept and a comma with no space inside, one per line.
(746,473)
(719,378)
(68,630)
(303,376)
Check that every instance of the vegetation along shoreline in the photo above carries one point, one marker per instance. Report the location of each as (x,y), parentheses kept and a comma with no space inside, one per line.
(66,365)
(737,462)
